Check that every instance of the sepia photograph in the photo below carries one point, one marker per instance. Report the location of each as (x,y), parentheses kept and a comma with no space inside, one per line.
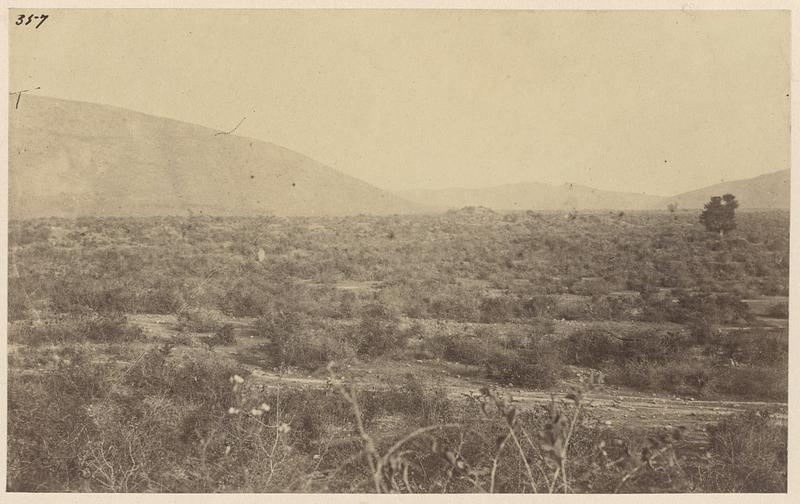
(396,251)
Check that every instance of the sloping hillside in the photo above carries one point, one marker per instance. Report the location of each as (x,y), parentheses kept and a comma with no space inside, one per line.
(770,191)
(71,158)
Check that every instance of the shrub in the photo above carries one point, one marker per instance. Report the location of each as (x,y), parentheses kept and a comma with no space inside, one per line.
(378,333)
(747,454)
(539,367)
(226,334)
(45,413)
(200,320)
(701,330)
(247,300)
(683,377)
(66,329)
(292,343)
(79,295)
(26,234)
(750,347)
(164,298)
(596,347)
(460,348)
(753,382)
(493,310)
(661,346)
(639,375)
(538,306)
(780,310)
(424,404)
(591,347)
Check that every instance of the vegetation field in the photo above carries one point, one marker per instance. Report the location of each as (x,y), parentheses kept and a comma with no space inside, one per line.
(469,351)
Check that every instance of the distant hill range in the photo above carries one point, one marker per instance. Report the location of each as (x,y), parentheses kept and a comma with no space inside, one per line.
(69,158)
(534,196)
(769,191)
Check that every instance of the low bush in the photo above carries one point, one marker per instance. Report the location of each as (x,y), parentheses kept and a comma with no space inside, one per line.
(748,454)
(780,310)
(540,367)
(292,342)
(167,425)
(759,383)
(597,347)
(200,320)
(226,334)
(750,347)
(470,350)
(495,310)
(378,332)
(590,348)
(423,404)
(66,329)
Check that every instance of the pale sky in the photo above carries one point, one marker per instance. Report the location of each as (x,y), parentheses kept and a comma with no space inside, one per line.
(658,102)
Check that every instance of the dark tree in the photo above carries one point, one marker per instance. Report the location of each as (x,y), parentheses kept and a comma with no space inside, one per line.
(719,214)
(672,207)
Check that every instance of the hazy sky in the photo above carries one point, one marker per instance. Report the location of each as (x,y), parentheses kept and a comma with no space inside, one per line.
(657,102)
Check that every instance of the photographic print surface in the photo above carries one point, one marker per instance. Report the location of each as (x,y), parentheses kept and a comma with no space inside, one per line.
(398,251)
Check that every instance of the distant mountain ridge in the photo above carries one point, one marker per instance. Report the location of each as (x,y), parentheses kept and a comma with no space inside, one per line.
(769,191)
(69,158)
(533,196)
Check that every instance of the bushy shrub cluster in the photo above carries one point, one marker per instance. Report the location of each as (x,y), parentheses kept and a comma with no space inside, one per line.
(596,347)
(748,454)
(538,367)
(520,361)
(378,332)
(67,329)
(200,320)
(169,425)
(291,341)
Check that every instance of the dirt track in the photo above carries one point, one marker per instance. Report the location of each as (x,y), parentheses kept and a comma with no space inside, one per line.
(614,407)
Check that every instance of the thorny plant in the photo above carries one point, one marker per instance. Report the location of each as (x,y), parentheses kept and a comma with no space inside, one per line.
(390,470)
(254,419)
(545,454)
(553,439)
(552,443)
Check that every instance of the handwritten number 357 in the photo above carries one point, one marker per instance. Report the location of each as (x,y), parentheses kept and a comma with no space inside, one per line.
(26,20)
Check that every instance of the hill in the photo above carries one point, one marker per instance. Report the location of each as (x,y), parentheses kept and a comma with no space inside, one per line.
(69,158)
(533,196)
(770,191)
